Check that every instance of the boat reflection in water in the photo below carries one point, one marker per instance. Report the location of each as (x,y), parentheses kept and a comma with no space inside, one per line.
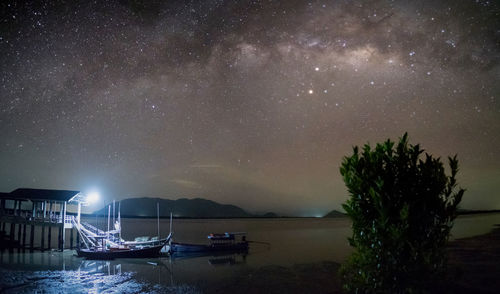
(137,275)
(100,267)
(228,259)
(215,258)
(176,272)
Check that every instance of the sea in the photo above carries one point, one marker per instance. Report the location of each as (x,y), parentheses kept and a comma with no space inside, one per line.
(277,243)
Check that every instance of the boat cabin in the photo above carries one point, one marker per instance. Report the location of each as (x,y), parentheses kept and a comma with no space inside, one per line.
(226,238)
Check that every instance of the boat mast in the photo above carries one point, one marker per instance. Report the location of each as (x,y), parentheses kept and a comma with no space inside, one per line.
(170,236)
(158,217)
(170,223)
(119,224)
(114,212)
(79,213)
(109,214)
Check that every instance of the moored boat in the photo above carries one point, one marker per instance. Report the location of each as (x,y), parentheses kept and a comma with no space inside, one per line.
(108,244)
(112,253)
(217,242)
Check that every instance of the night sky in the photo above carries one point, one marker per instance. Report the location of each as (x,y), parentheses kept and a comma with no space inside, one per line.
(252,103)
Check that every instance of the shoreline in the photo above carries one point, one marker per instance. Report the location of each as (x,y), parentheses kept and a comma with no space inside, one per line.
(93,215)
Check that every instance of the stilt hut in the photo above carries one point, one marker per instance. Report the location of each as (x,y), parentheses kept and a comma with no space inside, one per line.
(41,208)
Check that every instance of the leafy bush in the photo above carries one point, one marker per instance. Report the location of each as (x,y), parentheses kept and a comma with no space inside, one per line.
(402,209)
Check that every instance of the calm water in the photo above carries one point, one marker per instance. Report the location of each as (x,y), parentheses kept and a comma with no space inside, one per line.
(287,242)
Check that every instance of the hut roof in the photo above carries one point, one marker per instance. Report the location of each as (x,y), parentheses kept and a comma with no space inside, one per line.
(39,194)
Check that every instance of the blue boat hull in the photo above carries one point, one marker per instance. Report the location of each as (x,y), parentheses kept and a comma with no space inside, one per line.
(185,247)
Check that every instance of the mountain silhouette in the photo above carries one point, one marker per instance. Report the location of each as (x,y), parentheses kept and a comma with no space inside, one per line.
(195,208)
(335,213)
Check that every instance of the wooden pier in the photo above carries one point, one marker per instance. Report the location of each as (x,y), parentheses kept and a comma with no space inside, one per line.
(44,212)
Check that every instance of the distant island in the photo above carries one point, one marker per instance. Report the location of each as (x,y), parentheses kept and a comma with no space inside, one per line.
(183,208)
(335,213)
(269,215)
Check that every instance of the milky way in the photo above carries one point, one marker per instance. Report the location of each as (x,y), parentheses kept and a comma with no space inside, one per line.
(252,103)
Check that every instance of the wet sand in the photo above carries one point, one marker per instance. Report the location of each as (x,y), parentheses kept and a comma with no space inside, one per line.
(474,264)
(319,277)
(74,282)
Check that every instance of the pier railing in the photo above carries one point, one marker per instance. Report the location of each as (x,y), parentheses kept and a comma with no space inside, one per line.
(94,230)
(26,216)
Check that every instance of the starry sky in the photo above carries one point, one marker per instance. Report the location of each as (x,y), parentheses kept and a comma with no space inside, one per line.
(252,103)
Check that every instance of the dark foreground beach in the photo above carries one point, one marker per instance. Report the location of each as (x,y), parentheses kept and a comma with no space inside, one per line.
(474,267)
(474,264)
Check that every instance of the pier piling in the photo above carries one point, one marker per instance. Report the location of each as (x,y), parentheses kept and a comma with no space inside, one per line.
(32,237)
(24,235)
(49,241)
(19,234)
(11,234)
(42,241)
(61,238)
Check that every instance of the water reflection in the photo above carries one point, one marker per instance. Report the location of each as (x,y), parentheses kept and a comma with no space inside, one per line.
(227,260)
(98,280)
(172,272)
(215,258)
(38,273)
(156,271)
(100,266)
